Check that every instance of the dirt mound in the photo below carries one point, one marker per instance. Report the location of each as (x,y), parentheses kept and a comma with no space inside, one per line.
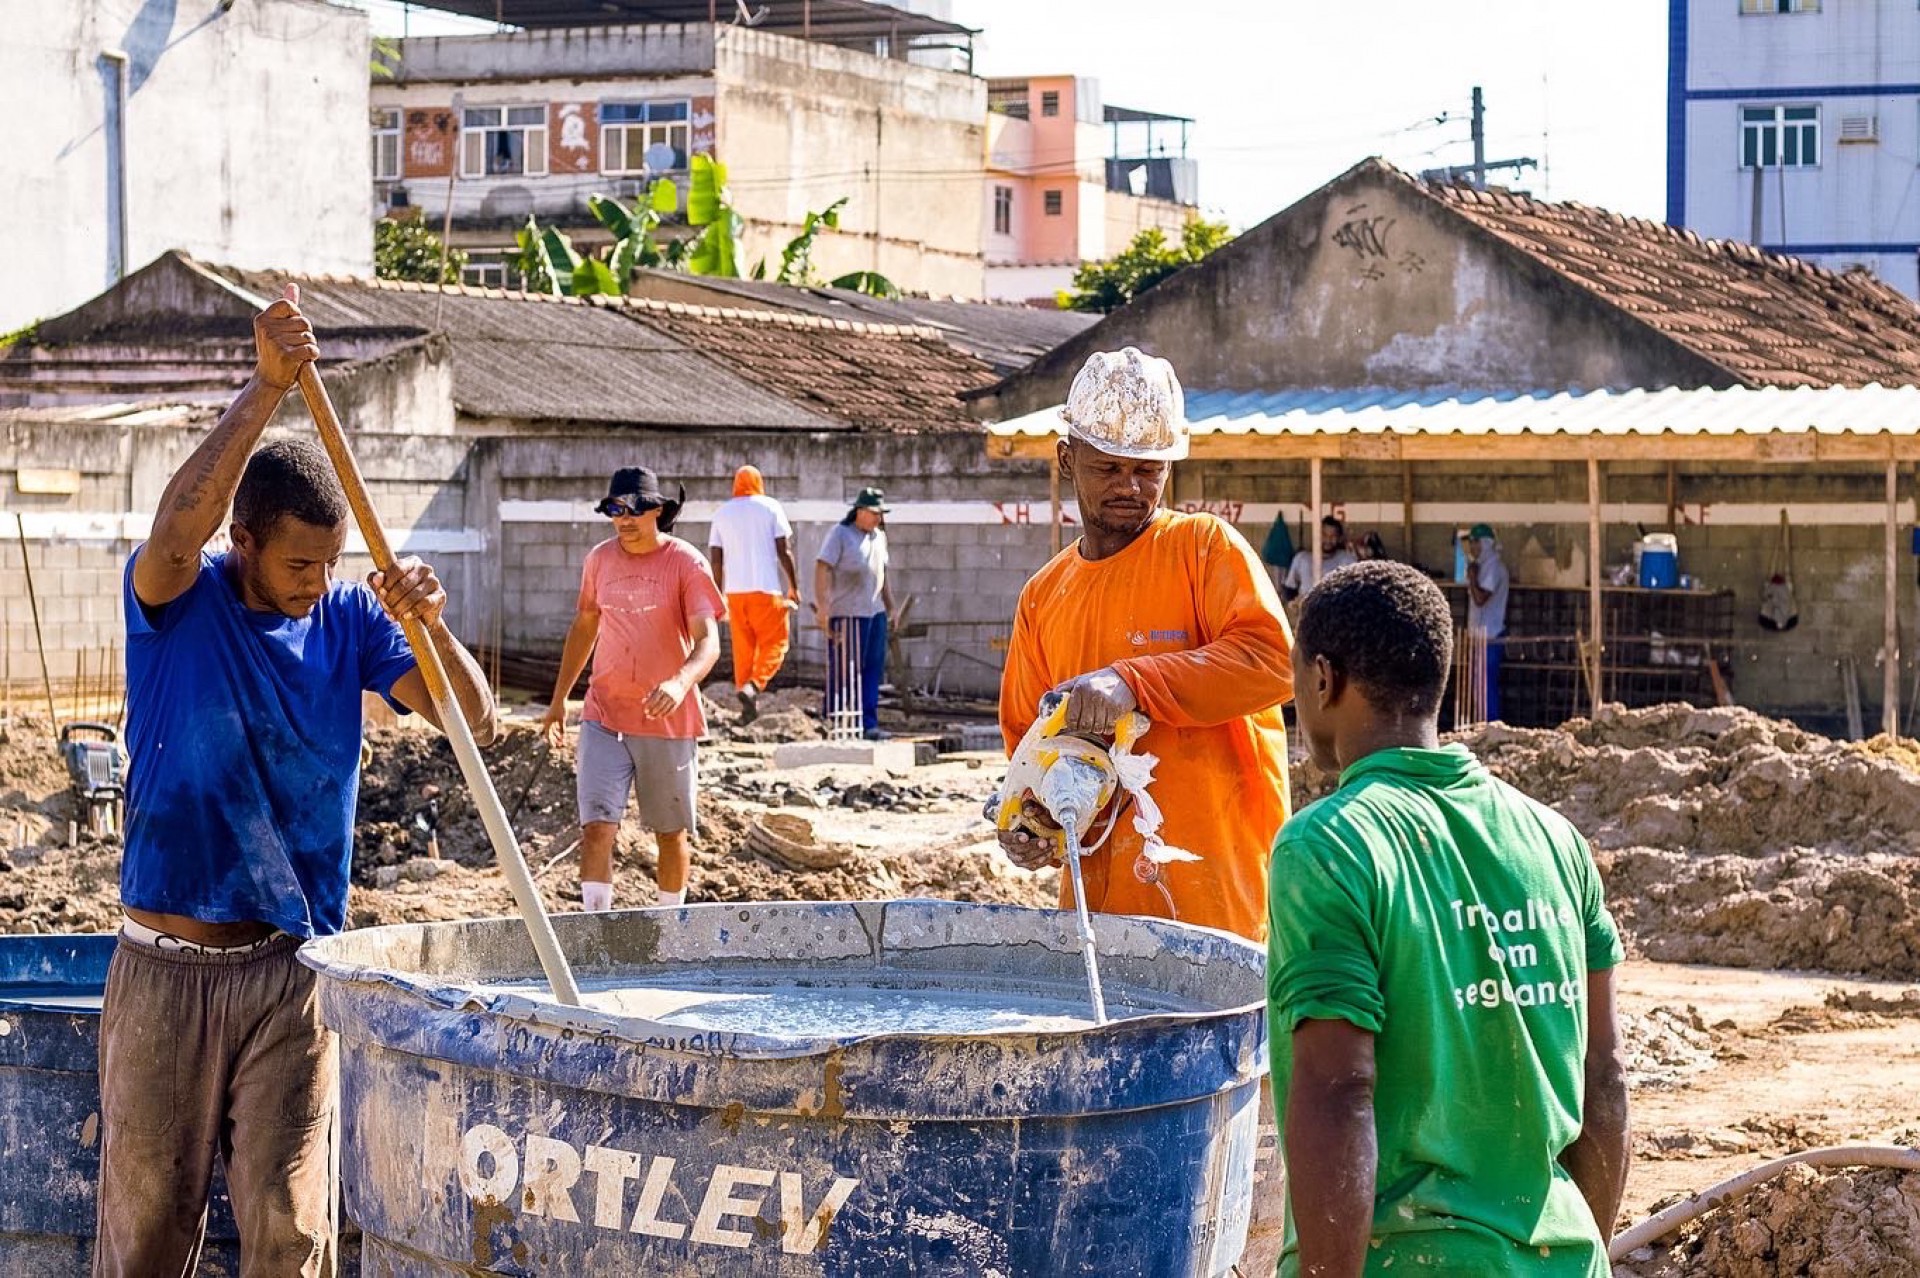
(786,714)
(1804,1223)
(1727,837)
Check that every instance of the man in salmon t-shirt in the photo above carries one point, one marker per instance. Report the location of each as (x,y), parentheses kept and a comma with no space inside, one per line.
(648,616)
(1172,615)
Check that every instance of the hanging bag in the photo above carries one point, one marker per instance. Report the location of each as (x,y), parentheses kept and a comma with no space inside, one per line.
(1777,608)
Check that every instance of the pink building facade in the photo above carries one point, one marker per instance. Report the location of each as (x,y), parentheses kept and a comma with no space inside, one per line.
(1072,180)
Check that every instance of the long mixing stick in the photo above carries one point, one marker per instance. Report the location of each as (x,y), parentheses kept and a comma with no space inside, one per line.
(453,720)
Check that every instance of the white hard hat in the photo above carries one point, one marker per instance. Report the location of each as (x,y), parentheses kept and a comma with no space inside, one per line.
(1127,404)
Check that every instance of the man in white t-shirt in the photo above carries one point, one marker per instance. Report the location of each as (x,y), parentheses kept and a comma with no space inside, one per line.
(1333,554)
(751,546)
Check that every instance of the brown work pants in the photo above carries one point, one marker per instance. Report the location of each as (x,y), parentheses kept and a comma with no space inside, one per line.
(205,1054)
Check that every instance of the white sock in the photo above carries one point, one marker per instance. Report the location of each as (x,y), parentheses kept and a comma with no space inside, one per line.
(672,898)
(595,897)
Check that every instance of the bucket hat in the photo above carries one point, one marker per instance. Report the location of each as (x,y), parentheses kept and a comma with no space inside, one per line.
(1128,404)
(638,489)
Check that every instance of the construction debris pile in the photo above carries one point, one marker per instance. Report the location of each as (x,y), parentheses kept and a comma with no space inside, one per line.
(1726,837)
(1803,1223)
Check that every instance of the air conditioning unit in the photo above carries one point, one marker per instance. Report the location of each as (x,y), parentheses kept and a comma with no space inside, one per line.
(1859,128)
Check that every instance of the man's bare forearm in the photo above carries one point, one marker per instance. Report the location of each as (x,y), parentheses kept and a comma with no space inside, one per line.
(1330,1138)
(468,683)
(196,498)
(718,558)
(705,654)
(1598,1160)
(573,657)
(790,568)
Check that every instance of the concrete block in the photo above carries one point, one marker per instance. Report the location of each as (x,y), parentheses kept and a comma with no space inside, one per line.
(894,756)
(978,557)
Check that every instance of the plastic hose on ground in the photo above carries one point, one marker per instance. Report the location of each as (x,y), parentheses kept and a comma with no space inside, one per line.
(1662,1223)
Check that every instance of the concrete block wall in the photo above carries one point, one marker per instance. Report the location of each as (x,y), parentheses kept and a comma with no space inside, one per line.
(964,578)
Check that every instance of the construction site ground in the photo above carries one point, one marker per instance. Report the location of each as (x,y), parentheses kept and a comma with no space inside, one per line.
(1767,883)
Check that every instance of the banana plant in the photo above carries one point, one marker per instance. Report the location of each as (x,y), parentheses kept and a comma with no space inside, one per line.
(547,260)
(716,249)
(633,242)
(872,283)
(796,259)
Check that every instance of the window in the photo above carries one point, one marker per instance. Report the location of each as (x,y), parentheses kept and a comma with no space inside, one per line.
(1785,137)
(484,273)
(501,141)
(386,145)
(1003,210)
(1779,6)
(1050,102)
(643,137)
(1053,203)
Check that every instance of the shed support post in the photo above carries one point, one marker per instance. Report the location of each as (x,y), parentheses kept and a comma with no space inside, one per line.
(1053,496)
(1313,520)
(1890,650)
(1595,556)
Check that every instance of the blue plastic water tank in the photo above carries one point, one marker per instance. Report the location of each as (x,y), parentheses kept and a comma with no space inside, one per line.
(50,989)
(493,1131)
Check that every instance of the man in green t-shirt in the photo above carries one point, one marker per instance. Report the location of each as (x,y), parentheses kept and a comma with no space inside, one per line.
(1439,977)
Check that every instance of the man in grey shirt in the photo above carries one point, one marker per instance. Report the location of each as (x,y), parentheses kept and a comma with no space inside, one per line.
(851,603)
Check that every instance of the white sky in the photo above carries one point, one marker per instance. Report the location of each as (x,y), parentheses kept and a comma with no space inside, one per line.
(1289,93)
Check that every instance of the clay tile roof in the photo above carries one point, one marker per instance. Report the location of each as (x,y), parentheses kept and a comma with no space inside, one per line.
(1768,319)
(892,377)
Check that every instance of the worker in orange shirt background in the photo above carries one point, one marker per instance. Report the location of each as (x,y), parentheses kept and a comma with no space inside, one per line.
(750,545)
(1173,615)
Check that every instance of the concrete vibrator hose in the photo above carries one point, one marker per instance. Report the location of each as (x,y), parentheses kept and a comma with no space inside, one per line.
(1662,1223)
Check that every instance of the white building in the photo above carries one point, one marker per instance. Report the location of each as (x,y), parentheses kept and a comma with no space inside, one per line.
(1796,124)
(234,131)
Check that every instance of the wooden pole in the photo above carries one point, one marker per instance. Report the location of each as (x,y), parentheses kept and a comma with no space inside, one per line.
(39,636)
(1053,499)
(453,720)
(1594,558)
(1673,497)
(1406,511)
(1313,520)
(1890,710)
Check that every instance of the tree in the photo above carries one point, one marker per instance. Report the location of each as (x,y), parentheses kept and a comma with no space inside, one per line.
(1109,285)
(407,250)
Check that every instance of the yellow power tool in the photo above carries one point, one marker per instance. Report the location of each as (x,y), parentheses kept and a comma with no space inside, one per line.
(1083,782)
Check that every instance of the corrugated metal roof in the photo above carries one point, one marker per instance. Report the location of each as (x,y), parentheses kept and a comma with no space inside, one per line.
(1825,410)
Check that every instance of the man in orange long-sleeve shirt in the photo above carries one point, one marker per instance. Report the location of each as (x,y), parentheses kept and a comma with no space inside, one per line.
(1175,616)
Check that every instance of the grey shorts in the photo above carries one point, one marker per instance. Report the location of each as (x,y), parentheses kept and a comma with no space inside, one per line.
(660,772)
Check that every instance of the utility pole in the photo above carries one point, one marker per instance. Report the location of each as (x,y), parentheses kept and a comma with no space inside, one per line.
(1479,140)
(1476,173)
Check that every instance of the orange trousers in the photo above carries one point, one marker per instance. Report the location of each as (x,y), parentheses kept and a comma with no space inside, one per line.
(760,639)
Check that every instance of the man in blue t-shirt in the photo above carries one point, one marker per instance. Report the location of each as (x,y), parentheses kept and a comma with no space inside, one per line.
(244,675)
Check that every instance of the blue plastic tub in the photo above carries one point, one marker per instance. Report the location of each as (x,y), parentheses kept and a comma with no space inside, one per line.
(50,989)
(488,1130)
